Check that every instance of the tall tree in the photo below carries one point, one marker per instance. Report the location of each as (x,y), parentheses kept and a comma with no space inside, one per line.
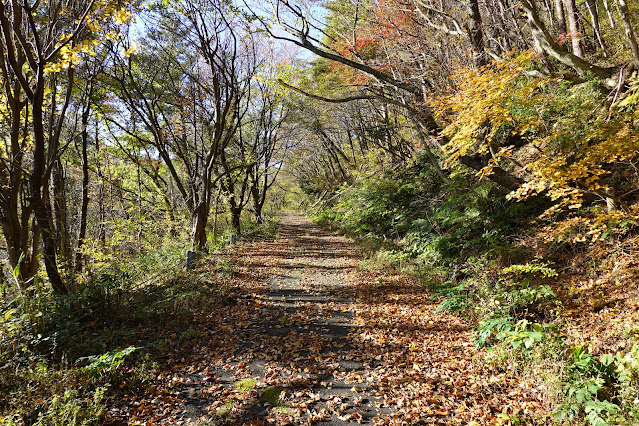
(629,31)
(186,90)
(268,142)
(407,90)
(573,25)
(40,41)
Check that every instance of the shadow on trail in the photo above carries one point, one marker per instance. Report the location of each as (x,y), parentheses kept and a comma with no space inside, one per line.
(294,338)
(313,339)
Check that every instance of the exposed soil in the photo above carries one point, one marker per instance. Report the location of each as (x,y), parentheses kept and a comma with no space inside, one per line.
(310,337)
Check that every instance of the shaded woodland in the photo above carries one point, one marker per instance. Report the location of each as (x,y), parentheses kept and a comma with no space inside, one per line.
(488,149)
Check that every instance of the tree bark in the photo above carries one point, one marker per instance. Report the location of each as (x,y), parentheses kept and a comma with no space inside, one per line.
(38,185)
(573,25)
(593,11)
(630,34)
(59,202)
(258,201)
(236,224)
(85,192)
(609,14)
(200,218)
(476,34)
(16,215)
(541,34)
(560,19)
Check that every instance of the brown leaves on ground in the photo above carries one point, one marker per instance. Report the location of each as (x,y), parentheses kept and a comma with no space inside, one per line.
(596,296)
(309,338)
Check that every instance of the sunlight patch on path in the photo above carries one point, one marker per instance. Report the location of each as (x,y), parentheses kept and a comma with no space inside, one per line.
(333,345)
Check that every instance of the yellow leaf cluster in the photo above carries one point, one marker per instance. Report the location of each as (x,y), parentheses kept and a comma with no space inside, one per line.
(595,226)
(485,105)
(122,17)
(103,13)
(576,143)
(128,52)
(71,55)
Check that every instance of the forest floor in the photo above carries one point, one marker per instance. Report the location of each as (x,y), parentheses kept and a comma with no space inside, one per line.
(308,336)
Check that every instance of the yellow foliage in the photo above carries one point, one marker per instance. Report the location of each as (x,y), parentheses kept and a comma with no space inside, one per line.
(577,141)
(128,52)
(103,14)
(122,17)
(610,137)
(72,55)
(485,105)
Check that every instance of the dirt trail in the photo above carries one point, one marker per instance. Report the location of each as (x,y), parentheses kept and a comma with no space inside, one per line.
(312,338)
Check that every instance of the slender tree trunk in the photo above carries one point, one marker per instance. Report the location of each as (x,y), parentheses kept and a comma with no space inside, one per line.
(630,34)
(215,214)
(139,200)
(476,34)
(593,11)
(60,212)
(101,208)
(258,205)
(609,14)
(541,34)
(85,193)
(38,184)
(21,238)
(255,196)
(573,24)
(560,20)
(503,19)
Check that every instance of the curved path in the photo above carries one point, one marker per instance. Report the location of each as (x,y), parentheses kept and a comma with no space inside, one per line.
(311,338)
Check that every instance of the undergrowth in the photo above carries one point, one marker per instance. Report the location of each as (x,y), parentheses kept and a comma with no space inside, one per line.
(62,358)
(464,240)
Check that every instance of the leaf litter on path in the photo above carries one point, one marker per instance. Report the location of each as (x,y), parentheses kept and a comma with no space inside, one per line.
(311,338)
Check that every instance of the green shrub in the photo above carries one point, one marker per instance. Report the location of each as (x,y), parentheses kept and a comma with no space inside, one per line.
(107,362)
(521,294)
(490,328)
(435,223)
(457,298)
(71,410)
(590,388)
(628,393)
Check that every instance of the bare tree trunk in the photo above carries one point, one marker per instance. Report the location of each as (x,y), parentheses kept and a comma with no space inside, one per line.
(29,42)
(21,236)
(215,216)
(596,25)
(257,204)
(560,20)
(630,35)
(476,34)
(609,14)
(38,185)
(85,192)
(541,34)
(59,202)
(573,23)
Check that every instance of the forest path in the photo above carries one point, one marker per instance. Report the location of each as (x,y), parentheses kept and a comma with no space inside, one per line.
(312,338)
